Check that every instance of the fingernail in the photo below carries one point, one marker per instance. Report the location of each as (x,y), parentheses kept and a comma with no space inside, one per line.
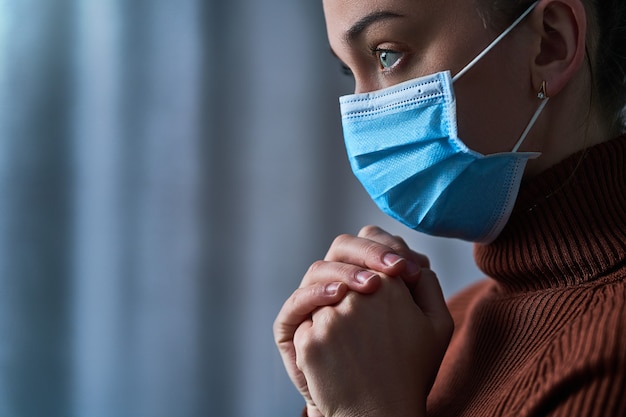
(392,259)
(364,276)
(332,288)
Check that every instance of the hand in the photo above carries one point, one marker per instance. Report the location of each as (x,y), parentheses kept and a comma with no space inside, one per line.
(376,354)
(352,264)
(297,309)
(377,250)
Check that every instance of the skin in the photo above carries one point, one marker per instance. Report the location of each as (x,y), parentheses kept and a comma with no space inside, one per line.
(337,321)
(365,332)
(497,98)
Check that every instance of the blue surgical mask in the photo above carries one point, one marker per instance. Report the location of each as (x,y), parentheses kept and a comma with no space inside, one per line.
(403,146)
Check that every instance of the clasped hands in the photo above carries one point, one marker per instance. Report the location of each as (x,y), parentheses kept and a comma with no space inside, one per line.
(366,331)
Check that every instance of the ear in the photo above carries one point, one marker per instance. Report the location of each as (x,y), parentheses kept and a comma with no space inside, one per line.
(561,26)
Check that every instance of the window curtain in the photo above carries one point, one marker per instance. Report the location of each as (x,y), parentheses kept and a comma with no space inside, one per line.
(168,171)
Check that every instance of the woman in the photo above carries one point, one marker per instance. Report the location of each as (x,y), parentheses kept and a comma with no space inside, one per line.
(498,122)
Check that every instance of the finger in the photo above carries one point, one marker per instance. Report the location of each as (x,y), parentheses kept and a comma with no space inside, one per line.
(299,338)
(367,254)
(356,278)
(299,342)
(301,304)
(416,260)
(378,234)
(397,243)
(429,297)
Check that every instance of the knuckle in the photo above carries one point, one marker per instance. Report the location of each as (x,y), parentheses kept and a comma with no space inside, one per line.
(346,272)
(323,318)
(349,304)
(315,266)
(277,333)
(341,240)
(304,298)
(310,344)
(294,301)
(301,361)
(400,242)
(323,272)
(369,230)
(308,349)
(303,346)
(373,250)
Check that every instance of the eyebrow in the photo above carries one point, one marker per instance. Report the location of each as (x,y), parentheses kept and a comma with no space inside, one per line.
(368,20)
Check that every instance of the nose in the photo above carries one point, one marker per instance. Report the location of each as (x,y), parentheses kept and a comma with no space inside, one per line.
(364,85)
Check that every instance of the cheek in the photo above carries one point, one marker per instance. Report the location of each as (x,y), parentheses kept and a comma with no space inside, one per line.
(492,106)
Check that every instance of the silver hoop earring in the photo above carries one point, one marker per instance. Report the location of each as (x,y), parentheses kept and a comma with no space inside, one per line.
(542,94)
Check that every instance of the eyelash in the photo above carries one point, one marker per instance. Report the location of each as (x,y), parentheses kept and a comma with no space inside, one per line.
(375,51)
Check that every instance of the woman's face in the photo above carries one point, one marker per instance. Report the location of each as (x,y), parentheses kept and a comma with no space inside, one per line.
(385,42)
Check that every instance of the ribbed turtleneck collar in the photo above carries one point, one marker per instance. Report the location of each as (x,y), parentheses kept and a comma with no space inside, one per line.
(568,225)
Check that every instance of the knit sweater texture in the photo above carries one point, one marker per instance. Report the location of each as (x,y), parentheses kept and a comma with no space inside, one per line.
(545,334)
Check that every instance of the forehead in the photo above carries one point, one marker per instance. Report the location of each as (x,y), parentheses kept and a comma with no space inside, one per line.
(352,9)
(342,15)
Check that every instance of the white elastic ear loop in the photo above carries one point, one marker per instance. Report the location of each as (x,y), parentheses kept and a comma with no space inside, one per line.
(531,123)
(494,42)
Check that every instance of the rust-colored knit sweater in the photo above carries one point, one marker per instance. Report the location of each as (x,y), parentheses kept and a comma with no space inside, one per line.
(546,334)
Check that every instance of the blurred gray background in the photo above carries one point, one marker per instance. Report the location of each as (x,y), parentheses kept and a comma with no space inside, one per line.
(168,171)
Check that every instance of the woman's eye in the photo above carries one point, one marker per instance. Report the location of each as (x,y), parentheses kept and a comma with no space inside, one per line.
(387,58)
